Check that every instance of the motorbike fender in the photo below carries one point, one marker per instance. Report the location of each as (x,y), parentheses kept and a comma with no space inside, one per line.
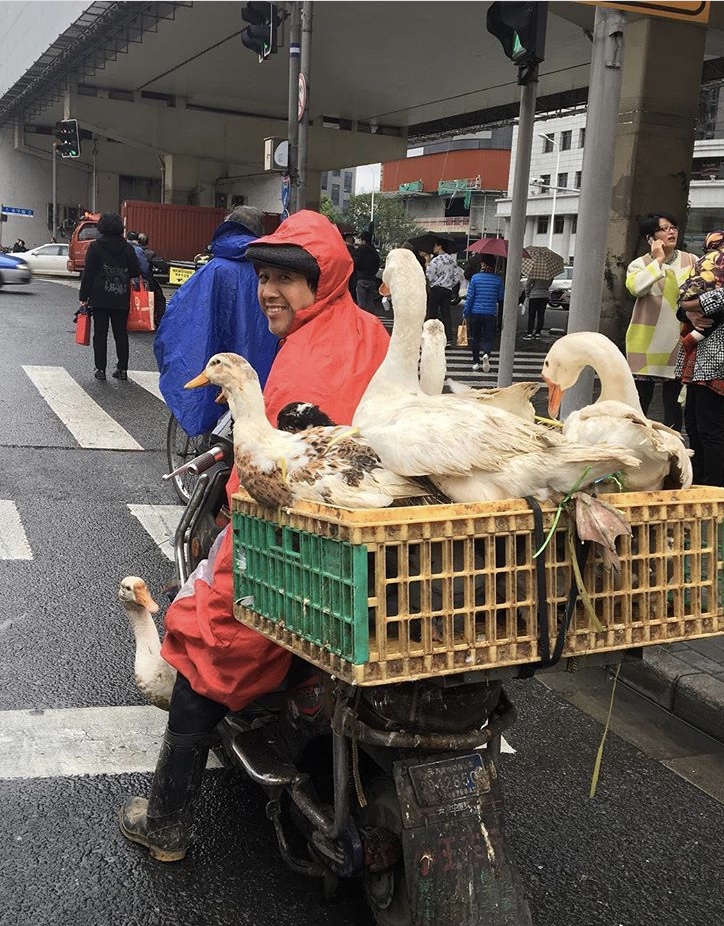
(458,869)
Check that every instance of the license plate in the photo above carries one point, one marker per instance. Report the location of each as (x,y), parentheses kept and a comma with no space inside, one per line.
(179,275)
(449,780)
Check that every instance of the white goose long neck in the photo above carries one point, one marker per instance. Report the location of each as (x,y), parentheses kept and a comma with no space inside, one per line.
(144,629)
(408,304)
(612,369)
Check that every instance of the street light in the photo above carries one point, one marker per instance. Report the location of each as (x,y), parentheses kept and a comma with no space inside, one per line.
(552,140)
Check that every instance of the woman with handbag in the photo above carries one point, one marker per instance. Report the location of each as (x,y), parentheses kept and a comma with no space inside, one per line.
(110,265)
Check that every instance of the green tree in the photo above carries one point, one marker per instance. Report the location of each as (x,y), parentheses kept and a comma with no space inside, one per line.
(327,207)
(392,225)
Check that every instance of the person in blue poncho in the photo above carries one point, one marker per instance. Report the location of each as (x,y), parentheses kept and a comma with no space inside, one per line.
(215,310)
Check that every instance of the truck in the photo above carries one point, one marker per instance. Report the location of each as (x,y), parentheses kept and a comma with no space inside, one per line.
(178,234)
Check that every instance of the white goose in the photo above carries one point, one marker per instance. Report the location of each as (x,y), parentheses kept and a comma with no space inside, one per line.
(328,465)
(616,416)
(470,451)
(155,678)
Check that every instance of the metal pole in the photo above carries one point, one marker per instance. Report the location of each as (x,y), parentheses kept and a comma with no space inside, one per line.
(95,179)
(54,233)
(302,155)
(555,191)
(595,202)
(519,201)
(295,30)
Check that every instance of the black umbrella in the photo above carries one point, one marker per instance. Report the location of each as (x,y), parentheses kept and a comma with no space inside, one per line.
(427,242)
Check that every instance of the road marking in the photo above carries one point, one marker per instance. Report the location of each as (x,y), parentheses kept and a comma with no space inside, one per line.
(13,539)
(160,521)
(85,419)
(148,379)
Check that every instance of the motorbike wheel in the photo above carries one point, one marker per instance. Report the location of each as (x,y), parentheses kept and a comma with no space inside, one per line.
(180,448)
(386,891)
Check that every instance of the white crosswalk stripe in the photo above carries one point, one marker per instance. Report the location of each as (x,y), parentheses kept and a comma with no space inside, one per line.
(160,523)
(148,379)
(13,540)
(89,424)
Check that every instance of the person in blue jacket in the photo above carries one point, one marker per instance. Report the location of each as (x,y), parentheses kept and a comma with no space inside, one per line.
(485,292)
(215,310)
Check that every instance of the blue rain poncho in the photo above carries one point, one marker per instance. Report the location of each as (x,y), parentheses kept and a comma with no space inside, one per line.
(215,310)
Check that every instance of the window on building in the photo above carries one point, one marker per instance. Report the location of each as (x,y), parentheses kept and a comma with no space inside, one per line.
(566,140)
(581,138)
(563,181)
(579,177)
(348,181)
(335,194)
(324,179)
(545,183)
(558,224)
(336,173)
(574,224)
(547,143)
(542,225)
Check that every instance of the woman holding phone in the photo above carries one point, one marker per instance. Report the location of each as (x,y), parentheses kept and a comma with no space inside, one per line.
(652,338)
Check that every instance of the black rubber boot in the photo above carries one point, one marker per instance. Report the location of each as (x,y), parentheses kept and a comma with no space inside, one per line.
(163,822)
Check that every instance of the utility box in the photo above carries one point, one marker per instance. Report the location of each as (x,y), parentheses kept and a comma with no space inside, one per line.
(276,153)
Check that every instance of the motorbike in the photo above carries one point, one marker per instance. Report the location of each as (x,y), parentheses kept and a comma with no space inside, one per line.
(395,785)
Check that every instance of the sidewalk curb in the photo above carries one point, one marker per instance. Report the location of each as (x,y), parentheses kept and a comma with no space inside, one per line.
(689,694)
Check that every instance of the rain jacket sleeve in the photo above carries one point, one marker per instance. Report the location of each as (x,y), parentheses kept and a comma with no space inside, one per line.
(215,310)
(328,357)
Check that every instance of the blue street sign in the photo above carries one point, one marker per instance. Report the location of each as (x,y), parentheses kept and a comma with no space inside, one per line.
(13,210)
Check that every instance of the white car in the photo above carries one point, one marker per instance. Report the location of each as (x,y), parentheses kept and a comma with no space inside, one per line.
(48,259)
(560,290)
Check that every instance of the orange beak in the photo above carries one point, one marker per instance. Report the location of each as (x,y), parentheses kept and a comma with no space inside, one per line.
(201,380)
(555,396)
(384,289)
(143,598)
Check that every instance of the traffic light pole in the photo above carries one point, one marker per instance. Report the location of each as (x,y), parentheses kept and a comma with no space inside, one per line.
(304,123)
(518,204)
(295,27)
(604,84)
(55,192)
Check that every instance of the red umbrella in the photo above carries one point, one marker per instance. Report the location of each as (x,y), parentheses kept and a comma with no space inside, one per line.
(495,246)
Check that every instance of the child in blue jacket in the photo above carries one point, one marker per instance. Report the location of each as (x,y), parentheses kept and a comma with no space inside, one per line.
(481,311)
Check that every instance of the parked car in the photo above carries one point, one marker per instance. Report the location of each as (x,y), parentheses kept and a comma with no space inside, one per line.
(14,270)
(48,258)
(560,289)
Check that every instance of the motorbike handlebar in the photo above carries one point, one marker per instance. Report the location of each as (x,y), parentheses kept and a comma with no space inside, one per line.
(200,464)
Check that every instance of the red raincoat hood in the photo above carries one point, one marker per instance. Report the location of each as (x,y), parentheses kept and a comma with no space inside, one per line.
(320,238)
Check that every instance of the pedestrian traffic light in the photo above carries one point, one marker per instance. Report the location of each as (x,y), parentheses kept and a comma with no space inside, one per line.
(68,135)
(521,29)
(261,33)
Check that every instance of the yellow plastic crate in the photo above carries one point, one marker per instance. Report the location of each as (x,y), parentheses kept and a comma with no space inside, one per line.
(396,594)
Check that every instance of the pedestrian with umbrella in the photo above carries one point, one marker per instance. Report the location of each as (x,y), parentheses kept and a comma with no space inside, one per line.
(539,267)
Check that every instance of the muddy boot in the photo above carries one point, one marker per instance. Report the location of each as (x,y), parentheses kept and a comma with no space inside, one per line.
(163,822)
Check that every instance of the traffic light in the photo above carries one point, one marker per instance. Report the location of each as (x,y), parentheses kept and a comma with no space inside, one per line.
(68,135)
(521,29)
(261,33)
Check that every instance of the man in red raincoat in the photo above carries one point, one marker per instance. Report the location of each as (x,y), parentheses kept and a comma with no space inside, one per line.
(328,352)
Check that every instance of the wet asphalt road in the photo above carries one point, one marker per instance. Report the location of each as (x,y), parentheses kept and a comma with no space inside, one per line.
(647,851)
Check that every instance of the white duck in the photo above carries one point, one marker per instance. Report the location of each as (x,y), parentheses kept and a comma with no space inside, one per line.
(320,464)
(515,399)
(155,678)
(470,451)
(616,417)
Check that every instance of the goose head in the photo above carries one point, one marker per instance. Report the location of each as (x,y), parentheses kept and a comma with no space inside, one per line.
(404,279)
(571,354)
(134,592)
(232,373)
